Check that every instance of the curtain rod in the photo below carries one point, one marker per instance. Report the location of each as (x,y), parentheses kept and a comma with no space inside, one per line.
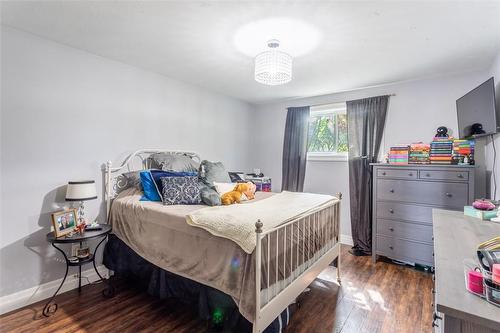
(341,102)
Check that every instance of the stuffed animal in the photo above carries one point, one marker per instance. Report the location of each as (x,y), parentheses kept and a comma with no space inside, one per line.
(248,189)
(250,192)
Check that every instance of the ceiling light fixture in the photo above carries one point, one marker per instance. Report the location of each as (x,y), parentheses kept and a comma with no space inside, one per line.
(273,67)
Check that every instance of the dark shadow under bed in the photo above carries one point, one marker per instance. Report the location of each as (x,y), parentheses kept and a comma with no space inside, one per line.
(212,305)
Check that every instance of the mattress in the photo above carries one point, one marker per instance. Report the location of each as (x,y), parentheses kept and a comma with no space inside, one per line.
(160,234)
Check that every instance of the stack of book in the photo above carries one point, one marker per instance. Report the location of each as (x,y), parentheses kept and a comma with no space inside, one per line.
(399,154)
(441,150)
(462,148)
(419,153)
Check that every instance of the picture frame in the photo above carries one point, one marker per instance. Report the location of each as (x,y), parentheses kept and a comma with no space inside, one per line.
(64,222)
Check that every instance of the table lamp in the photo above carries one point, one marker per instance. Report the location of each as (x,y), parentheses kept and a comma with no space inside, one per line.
(81,191)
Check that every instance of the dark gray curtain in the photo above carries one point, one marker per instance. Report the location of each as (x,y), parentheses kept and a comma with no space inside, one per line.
(295,149)
(366,120)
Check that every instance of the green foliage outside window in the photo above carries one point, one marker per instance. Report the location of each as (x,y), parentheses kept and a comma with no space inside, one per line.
(328,133)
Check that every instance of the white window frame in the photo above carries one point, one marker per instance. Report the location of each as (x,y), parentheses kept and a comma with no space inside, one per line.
(319,110)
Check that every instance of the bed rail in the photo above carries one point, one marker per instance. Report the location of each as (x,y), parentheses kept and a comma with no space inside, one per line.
(290,256)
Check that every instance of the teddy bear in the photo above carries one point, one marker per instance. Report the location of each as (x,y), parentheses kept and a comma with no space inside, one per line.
(247,189)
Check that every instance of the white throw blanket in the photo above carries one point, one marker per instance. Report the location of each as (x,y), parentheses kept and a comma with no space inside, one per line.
(237,222)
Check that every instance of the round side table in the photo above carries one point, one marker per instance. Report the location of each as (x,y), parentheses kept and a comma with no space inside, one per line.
(51,307)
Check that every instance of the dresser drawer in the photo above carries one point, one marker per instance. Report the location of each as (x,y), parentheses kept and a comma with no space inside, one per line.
(401,211)
(397,173)
(443,175)
(404,230)
(401,249)
(451,195)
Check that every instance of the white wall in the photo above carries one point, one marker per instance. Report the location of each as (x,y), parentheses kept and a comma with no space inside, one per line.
(64,112)
(418,108)
(495,72)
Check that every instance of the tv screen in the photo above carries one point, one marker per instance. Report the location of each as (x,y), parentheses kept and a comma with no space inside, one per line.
(476,112)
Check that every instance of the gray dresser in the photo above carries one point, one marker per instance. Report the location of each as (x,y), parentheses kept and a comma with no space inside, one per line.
(403,199)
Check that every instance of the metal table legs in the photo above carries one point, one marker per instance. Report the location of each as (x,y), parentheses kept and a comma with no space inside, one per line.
(51,307)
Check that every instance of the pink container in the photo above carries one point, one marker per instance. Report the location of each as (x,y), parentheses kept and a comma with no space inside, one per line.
(473,277)
(475,282)
(495,273)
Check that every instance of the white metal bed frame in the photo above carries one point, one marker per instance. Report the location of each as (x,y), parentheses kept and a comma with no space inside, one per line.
(323,223)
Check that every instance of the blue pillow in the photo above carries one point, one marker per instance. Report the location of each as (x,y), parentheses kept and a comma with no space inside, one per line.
(151,182)
(149,187)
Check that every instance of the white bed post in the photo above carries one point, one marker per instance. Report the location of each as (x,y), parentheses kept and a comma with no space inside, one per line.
(258,263)
(337,218)
(108,189)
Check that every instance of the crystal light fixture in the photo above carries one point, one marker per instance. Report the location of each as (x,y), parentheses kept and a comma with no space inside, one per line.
(273,67)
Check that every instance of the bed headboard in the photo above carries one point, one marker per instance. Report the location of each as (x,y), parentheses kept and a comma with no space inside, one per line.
(113,181)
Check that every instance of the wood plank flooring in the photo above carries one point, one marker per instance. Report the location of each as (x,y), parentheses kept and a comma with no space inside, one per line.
(373,298)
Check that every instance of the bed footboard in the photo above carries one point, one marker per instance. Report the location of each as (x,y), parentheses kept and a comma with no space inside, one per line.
(289,257)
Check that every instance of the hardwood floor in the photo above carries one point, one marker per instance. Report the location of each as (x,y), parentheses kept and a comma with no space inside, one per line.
(373,298)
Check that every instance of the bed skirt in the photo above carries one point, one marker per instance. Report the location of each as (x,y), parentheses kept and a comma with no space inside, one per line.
(212,305)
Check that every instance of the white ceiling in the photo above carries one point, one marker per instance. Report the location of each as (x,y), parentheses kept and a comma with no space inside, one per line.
(362,43)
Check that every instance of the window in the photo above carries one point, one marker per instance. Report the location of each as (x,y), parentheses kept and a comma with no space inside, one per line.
(328,132)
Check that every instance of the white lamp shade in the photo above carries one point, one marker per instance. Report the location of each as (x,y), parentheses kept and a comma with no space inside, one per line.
(81,190)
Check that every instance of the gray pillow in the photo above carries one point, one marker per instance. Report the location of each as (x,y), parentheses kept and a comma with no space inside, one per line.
(181,190)
(173,162)
(133,179)
(209,196)
(211,172)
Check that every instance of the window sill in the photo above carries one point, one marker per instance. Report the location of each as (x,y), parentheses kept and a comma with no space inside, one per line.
(327,158)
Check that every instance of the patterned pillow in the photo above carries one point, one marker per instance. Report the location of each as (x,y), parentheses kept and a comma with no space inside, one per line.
(181,190)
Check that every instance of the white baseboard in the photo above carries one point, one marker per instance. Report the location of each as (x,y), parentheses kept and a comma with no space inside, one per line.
(32,295)
(346,239)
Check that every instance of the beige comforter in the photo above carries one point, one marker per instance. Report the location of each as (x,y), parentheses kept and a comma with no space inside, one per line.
(237,222)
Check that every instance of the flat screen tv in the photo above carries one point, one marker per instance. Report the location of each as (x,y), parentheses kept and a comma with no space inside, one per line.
(477,115)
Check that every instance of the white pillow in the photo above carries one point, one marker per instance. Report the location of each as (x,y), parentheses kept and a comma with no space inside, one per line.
(222,188)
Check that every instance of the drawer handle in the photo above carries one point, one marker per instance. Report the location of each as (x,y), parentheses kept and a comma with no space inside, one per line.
(434,318)
(383,173)
(410,174)
(391,211)
(391,247)
(449,195)
(391,190)
(427,175)
(460,175)
(391,229)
